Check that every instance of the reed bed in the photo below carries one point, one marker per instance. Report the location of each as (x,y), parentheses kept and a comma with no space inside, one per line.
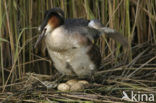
(132,68)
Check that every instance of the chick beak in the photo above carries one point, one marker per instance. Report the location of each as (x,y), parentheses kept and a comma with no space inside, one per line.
(41,36)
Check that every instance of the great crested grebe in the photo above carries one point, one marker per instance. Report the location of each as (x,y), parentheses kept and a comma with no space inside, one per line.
(70,42)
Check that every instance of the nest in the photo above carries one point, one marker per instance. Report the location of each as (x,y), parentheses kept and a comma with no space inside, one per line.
(107,86)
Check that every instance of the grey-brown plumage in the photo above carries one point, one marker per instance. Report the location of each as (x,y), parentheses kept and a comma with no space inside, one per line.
(70,43)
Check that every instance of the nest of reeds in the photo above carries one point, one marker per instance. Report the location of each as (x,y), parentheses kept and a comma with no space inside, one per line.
(107,86)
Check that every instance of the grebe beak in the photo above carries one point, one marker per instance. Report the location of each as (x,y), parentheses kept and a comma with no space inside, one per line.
(40,37)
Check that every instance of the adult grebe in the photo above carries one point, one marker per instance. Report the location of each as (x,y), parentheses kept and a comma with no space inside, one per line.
(70,42)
